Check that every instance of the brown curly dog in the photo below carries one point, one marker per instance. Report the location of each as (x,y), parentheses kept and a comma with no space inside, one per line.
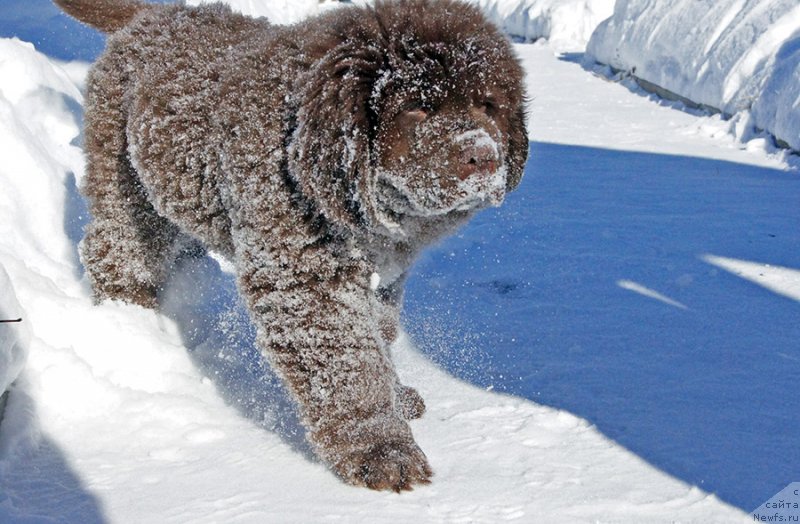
(320,158)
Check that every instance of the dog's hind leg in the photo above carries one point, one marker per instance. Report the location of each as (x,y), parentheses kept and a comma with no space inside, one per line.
(128,246)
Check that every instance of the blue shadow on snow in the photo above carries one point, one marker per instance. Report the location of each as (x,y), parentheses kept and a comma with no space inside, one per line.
(550,298)
(37,482)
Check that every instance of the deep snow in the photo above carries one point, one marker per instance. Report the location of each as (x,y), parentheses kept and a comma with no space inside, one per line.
(636,300)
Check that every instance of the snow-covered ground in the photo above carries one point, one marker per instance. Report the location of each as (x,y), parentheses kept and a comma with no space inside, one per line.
(617,343)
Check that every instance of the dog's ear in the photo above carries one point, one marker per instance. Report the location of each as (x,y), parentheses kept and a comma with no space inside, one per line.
(517,153)
(330,155)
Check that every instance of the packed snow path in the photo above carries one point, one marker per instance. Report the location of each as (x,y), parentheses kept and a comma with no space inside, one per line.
(621,297)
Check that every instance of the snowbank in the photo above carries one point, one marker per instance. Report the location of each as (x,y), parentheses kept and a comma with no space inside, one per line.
(734,55)
(13,336)
(566,24)
(35,130)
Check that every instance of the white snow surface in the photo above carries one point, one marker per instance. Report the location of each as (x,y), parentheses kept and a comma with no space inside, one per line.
(566,24)
(733,55)
(34,132)
(626,400)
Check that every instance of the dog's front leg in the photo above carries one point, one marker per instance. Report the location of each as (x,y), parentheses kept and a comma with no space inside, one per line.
(319,325)
(409,402)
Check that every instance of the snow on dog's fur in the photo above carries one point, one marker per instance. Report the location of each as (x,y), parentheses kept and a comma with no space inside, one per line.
(320,158)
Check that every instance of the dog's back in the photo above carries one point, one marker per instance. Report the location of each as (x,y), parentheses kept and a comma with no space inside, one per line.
(151,98)
(111,16)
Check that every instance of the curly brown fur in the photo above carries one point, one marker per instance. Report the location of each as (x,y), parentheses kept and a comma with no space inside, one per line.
(320,158)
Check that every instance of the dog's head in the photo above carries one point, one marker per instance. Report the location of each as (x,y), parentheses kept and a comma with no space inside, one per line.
(413,110)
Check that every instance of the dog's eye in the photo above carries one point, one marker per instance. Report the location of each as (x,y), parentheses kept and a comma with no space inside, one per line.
(415,111)
(487,106)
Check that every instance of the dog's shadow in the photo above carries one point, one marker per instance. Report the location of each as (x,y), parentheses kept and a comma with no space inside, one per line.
(203,301)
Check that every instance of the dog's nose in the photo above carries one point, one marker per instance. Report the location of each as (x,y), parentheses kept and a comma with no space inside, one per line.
(477,159)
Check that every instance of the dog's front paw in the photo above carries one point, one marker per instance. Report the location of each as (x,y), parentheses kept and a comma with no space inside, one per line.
(409,402)
(395,466)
